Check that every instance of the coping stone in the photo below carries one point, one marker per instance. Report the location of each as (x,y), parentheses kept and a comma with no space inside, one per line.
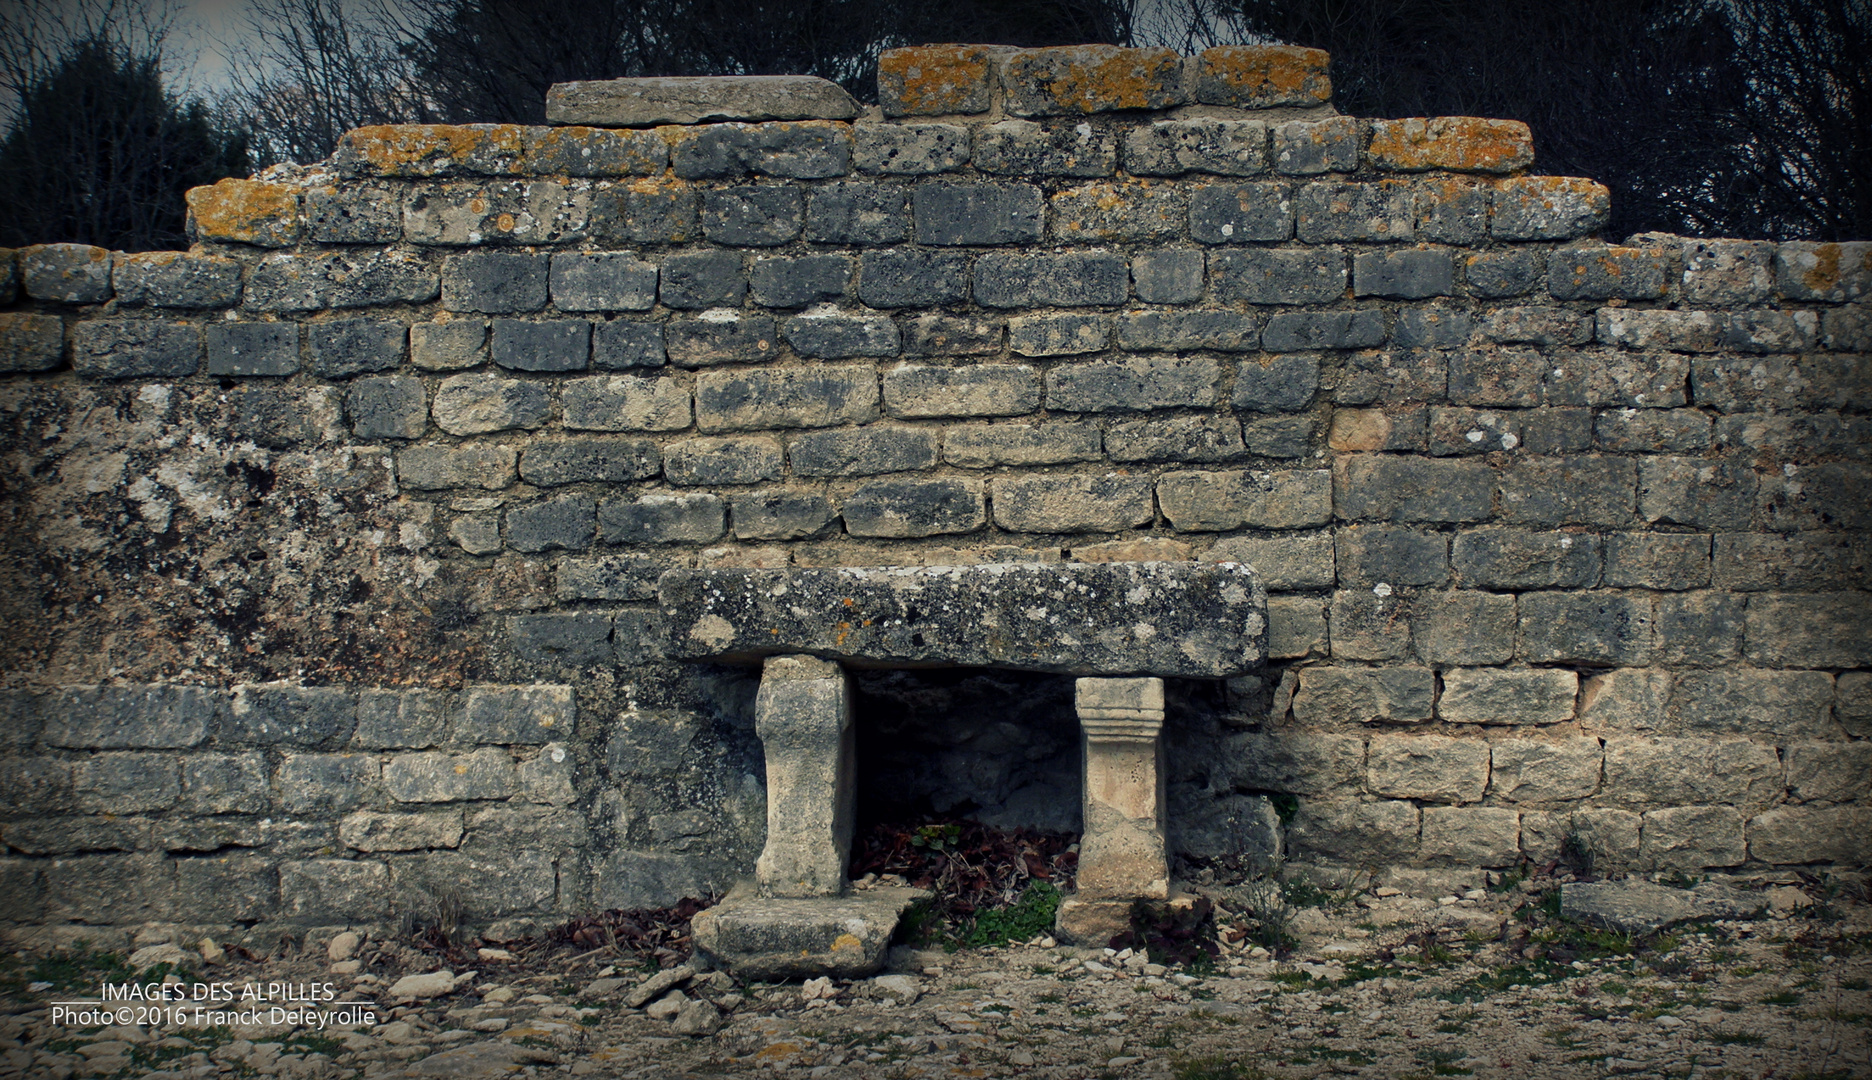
(1187,620)
(697,100)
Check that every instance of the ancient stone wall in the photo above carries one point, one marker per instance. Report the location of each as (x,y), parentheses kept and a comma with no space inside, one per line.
(330,546)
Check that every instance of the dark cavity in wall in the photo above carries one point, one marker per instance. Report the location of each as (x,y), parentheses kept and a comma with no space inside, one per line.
(1000,747)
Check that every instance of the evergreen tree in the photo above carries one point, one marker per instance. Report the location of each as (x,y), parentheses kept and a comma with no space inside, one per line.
(101,153)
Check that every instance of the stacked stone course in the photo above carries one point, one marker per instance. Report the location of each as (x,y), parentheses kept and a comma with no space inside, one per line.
(1566,539)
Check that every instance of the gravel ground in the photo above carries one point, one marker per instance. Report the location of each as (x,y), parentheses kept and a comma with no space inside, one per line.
(1390,986)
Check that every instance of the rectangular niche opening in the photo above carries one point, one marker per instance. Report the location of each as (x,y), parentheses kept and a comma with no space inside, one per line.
(982,744)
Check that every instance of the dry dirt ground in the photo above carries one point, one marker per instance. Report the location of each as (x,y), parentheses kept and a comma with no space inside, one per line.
(1487,985)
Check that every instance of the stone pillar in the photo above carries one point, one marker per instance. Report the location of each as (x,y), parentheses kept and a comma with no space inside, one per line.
(1122,855)
(803,714)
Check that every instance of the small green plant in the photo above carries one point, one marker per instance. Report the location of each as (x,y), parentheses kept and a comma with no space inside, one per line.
(1736,1038)
(1029,916)
(1214,1067)
(939,838)
(1285,807)
(1782,997)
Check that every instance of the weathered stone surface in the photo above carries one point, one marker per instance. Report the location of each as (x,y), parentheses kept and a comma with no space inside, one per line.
(841,937)
(662,519)
(803,714)
(914,508)
(245,212)
(1025,148)
(1699,771)
(1381,832)
(475,404)
(1133,385)
(976,213)
(31,342)
(1507,696)
(627,403)
(132,348)
(125,717)
(930,80)
(1068,504)
(1692,838)
(1217,501)
(1261,76)
(1451,143)
(1072,80)
(1429,767)
(1174,147)
(1640,907)
(1470,836)
(1180,619)
(178,280)
(1335,695)
(1812,834)
(697,100)
(1548,208)
(822,396)
(1076,279)
(1544,770)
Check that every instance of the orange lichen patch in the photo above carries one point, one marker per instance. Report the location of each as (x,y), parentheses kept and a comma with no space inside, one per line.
(1456,143)
(432,149)
(1091,78)
(930,80)
(246,212)
(1263,76)
(589,151)
(149,258)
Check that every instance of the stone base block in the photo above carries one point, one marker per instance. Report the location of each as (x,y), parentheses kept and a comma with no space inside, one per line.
(766,939)
(1092,923)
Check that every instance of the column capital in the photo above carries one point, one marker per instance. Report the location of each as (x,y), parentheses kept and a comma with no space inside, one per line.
(1095,697)
(1107,727)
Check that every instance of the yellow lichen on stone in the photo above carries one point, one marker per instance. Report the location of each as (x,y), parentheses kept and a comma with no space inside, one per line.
(1455,143)
(1263,76)
(246,212)
(930,80)
(1092,78)
(433,149)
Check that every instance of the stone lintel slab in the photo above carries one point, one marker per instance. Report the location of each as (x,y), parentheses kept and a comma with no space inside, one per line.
(697,100)
(844,937)
(1186,620)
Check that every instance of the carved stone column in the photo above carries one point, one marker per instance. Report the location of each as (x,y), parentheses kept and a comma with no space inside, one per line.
(803,714)
(1122,855)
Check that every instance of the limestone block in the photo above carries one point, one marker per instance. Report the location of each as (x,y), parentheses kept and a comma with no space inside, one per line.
(1801,834)
(66,272)
(1471,836)
(697,100)
(1544,770)
(1260,76)
(1296,762)
(774,939)
(246,212)
(1204,620)
(1355,832)
(1451,143)
(1702,771)
(31,342)
(1072,80)
(1430,767)
(1336,695)
(1606,840)
(1836,772)
(1691,838)
(803,714)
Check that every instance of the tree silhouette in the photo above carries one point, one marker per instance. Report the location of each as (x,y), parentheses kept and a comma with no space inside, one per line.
(99,152)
